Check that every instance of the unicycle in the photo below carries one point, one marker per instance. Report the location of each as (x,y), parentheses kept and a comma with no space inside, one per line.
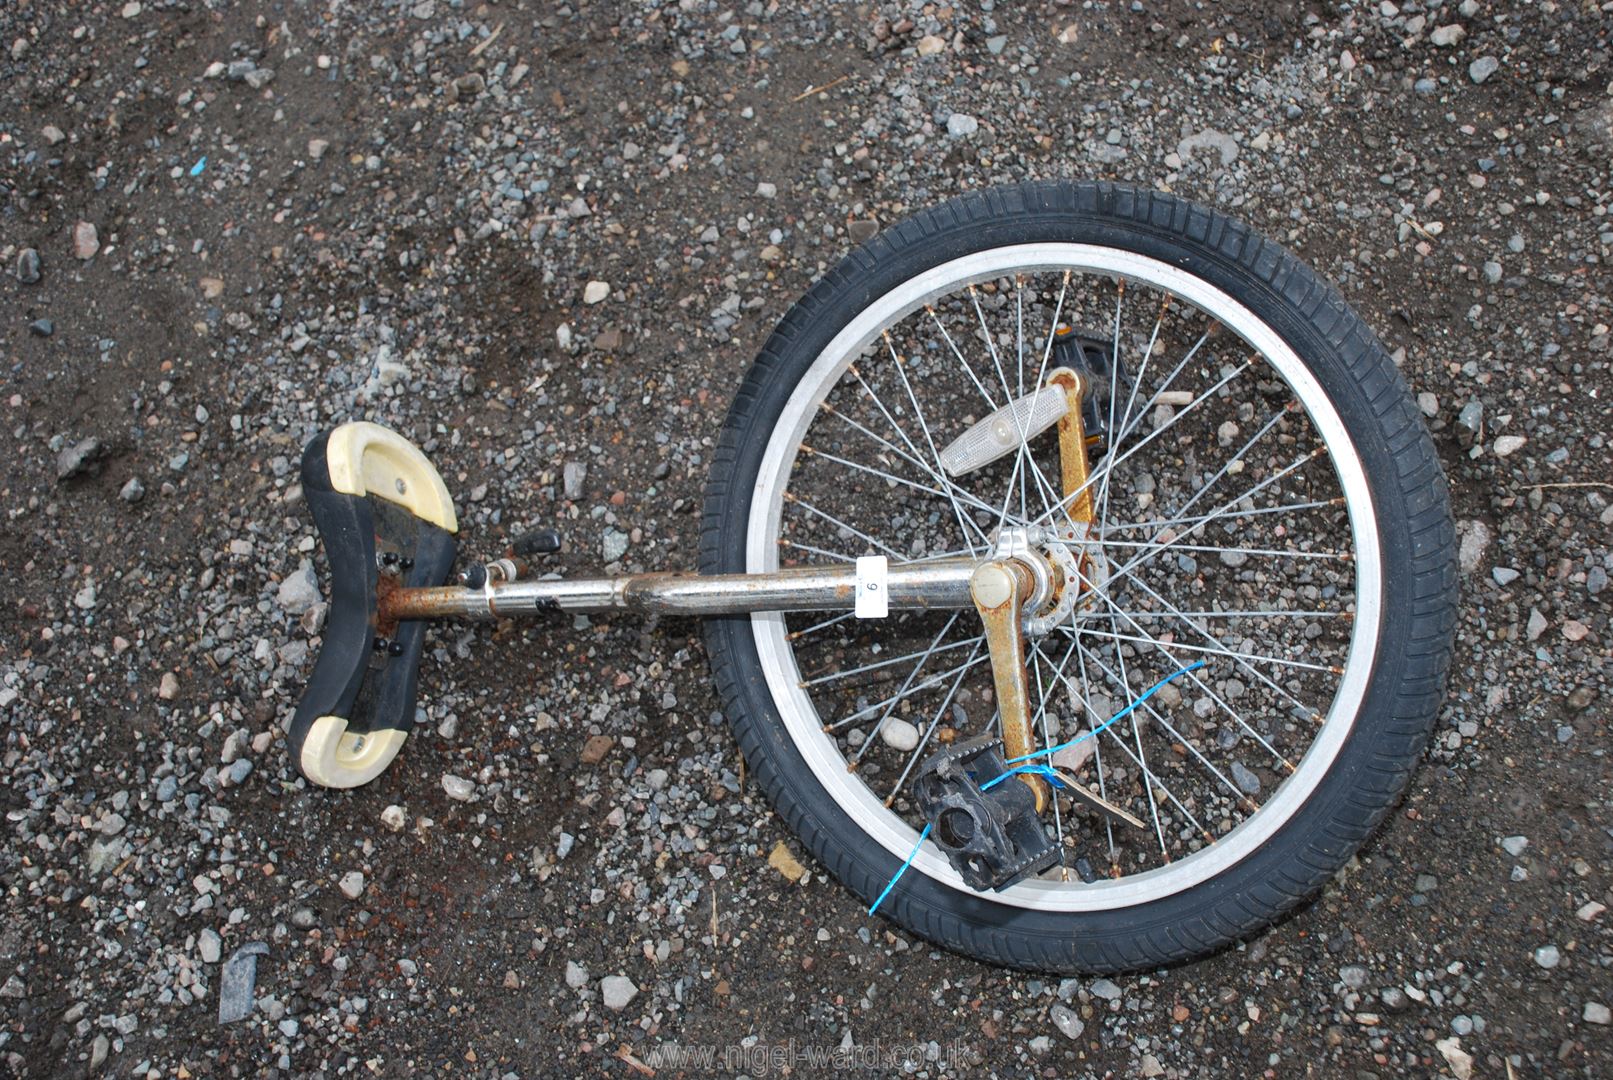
(1077,573)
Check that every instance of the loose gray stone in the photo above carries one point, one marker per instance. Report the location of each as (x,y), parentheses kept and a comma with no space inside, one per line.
(614,545)
(1536,626)
(1246,780)
(1483,68)
(576,975)
(962,125)
(572,477)
(210,945)
(617,992)
(1474,543)
(1105,989)
(352,884)
(1067,1021)
(28,266)
(900,735)
(1548,956)
(300,589)
(238,980)
(1211,140)
(132,490)
(77,458)
(86,241)
(1514,845)
(1597,1013)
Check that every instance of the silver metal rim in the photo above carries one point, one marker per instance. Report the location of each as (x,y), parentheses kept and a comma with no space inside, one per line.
(800,716)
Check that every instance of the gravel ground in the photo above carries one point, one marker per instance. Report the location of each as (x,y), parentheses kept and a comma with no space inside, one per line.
(544,242)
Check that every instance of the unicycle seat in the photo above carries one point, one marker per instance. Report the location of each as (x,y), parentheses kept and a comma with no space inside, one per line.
(386,521)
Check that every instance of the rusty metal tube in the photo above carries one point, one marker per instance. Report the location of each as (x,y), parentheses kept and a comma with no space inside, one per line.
(937,584)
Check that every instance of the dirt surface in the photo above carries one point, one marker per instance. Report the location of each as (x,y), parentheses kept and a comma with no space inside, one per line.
(401,222)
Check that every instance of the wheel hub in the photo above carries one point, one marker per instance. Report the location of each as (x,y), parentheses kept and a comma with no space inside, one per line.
(1065,569)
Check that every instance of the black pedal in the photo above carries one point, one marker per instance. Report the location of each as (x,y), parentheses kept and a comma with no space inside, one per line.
(990,832)
(1093,355)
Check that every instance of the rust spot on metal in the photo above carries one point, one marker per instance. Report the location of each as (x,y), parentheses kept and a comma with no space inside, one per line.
(387,588)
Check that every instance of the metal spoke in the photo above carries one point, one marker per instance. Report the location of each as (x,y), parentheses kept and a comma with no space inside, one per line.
(878,664)
(952,489)
(933,680)
(1129,568)
(1330,669)
(1102,510)
(1015,478)
(929,439)
(1254,671)
(796,635)
(1047,740)
(918,667)
(1286,553)
(826,553)
(991,403)
(1112,462)
(1142,369)
(1250,613)
(1163,647)
(946,703)
(1162,387)
(1137,736)
(1019,352)
(1097,753)
(1096,722)
(1237,793)
(858,533)
(812,451)
(1161,523)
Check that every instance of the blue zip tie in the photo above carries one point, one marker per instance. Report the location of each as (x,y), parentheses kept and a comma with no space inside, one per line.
(1109,722)
(1041,770)
(911,856)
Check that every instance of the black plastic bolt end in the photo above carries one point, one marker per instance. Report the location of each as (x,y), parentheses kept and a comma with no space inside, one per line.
(536,542)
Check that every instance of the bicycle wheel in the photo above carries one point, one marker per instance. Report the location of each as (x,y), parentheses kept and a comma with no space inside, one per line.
(1265,498)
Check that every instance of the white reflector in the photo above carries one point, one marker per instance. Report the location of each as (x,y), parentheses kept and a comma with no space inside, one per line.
(1001,432)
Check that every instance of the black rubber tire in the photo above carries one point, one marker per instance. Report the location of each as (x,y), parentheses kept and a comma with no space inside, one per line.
(1416,532)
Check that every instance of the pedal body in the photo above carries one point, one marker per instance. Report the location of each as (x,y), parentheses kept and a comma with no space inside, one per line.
(990,832)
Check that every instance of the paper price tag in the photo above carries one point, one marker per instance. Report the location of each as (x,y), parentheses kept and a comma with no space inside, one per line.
(872,600)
